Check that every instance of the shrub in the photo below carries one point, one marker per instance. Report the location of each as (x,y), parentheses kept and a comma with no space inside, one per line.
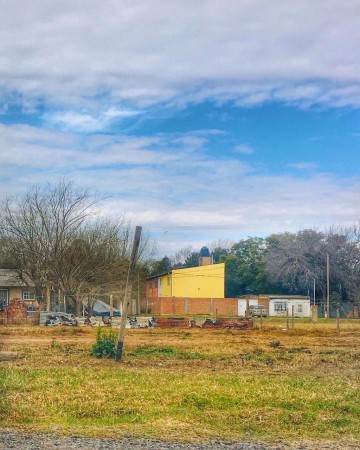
(105,346)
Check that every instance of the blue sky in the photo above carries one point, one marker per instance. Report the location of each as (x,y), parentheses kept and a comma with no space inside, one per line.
(201,120)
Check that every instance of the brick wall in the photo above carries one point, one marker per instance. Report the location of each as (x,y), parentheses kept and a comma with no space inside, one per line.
(15,313)
(192,306)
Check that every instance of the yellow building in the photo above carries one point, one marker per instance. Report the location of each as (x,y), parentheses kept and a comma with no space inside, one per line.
(195,282)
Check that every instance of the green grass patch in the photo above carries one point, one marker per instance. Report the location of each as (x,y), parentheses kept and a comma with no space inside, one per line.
(165,353)
(153,402)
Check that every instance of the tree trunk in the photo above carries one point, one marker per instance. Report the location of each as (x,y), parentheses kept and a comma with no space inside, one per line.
(77,306)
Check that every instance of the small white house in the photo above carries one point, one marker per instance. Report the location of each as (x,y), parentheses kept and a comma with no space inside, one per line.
(278,305)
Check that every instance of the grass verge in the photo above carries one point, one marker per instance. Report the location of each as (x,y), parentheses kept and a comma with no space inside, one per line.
(186,385)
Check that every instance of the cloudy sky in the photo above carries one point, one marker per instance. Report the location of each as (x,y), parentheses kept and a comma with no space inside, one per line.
(201,119)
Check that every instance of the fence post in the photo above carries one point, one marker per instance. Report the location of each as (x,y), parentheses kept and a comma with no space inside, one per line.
(292,317)
(337,320)
(314,313)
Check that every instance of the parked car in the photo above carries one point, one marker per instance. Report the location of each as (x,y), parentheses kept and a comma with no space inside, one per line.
(258,311)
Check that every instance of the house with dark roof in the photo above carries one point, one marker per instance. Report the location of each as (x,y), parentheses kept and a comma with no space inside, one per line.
(15,286)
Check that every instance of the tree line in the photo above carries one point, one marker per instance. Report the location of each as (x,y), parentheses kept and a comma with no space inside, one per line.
(285,263)
(59,238)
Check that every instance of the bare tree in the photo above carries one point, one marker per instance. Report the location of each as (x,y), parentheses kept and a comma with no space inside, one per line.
(296,259)
(54,236)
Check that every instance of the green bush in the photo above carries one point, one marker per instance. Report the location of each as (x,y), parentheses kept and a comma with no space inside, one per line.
(105,346)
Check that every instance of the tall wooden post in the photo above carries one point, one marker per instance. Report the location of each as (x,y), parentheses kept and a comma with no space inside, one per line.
(337,320)
(287,319)
(138,305)
(247,311)
(48,300)
(327,287)
(128,290)
(111,305)
(292,317)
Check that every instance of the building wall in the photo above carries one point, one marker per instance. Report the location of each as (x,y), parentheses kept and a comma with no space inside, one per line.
(199,282)
(242,305)
(151,288)
(166,288)
(301,307)
(16,292)
(192,306)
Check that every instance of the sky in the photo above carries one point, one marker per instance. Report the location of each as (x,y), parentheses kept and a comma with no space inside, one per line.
(199,120)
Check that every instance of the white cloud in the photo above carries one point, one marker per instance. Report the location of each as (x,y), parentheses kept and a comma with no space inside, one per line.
(72,120)
(171,183)
(303,165)
(244,149)
(253,51)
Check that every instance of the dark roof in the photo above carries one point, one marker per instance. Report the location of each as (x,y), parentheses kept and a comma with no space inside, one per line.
(159,275)
(11,278)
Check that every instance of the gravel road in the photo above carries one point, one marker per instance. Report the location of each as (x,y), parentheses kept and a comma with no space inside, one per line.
(21,441)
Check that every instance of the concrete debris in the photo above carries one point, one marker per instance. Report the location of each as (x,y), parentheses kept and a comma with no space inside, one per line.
(173,322)
(60,319)
(237,323)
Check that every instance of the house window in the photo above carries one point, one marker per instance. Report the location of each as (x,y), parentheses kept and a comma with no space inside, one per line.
(299,308)
(4,297)
(156,283)
(150,285)
(168,281)
(280,306)
(27,295)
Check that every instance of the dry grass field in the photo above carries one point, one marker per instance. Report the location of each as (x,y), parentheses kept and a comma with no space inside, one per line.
(187,384)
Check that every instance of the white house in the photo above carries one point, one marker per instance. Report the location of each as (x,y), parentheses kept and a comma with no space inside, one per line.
(280,305)
(277,305)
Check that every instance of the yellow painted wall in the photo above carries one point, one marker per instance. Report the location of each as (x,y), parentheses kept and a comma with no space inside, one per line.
(199,282)
(165,286)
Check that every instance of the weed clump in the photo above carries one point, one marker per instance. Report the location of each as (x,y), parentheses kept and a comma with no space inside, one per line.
(105,346)
(275,344)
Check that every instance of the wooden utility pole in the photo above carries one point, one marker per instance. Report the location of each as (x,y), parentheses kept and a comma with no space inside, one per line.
(48,298)
(327,287)
(292,317)
(111,305)
(128,290)
(138,307)
(338,320)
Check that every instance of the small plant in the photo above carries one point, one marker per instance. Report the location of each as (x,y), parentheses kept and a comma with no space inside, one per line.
(105,346)
(275,344)
(55,345)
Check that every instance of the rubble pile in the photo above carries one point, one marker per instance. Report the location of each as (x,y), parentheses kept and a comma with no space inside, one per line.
(237,323)
(172,322)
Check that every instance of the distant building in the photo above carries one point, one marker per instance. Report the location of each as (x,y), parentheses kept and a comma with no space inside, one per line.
(13,286)
(206,281)
(277,305)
